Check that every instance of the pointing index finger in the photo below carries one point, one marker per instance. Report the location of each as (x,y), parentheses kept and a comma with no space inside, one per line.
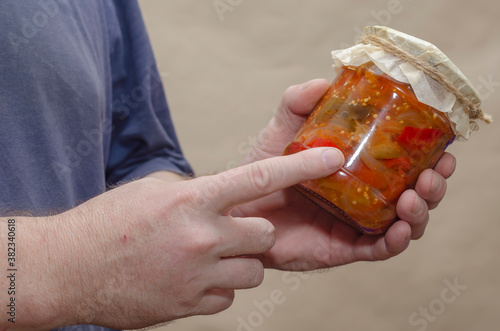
(258,179)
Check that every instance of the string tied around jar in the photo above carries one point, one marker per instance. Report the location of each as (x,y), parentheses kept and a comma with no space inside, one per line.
(471,108)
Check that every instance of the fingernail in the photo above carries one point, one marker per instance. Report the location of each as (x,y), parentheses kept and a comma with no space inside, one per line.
(418,206)
(407,240)
(453,164)
(333,158)
(435,183)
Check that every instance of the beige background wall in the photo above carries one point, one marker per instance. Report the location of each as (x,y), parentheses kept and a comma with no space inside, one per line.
(224,75)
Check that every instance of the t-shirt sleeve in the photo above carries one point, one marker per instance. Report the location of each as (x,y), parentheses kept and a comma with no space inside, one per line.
(143,138)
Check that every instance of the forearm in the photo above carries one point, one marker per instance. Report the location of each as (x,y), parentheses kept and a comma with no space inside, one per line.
(167,176)
(31,282)
(64,268)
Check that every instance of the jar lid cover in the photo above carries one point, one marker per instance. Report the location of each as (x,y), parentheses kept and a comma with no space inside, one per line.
(434,78)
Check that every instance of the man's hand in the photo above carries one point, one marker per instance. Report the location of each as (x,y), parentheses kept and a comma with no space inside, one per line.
(152,251)
(307,237)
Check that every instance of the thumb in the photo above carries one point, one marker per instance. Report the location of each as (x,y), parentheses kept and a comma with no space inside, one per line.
(301,99)
(298,101)
(258,179)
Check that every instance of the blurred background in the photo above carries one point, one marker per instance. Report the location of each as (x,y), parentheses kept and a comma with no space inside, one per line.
(225,65)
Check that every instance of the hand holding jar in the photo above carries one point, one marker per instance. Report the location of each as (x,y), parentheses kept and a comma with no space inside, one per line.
(395,106)
(307,237)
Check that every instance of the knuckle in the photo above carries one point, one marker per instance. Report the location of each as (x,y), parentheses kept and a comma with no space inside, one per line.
(228,302)
(287,98)
(194,239)
(186,305)
(418,230)
(200,242)
(290,90)
(227,299)
(204,191)
(431,186)
(194,197)
(261,177)
(255,273)
(268,236)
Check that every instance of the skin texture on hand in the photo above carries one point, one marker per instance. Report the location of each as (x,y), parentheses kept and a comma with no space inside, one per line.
(307,237)
(155,250)
(163,248)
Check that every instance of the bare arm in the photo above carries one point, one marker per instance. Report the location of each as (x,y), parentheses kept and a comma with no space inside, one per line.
(41,258)
(149,251)
(30,272)
(167,176)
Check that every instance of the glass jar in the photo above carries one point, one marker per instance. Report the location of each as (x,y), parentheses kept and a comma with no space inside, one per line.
(387,136)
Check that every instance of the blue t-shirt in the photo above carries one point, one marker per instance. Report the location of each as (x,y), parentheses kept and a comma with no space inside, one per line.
(82,105)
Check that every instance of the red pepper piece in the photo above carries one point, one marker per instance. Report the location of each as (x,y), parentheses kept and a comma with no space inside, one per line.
(294,147)
(419,138)
(372,178)
(322,142)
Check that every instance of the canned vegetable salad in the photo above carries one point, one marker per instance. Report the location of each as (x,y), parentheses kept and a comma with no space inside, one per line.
(395,105)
